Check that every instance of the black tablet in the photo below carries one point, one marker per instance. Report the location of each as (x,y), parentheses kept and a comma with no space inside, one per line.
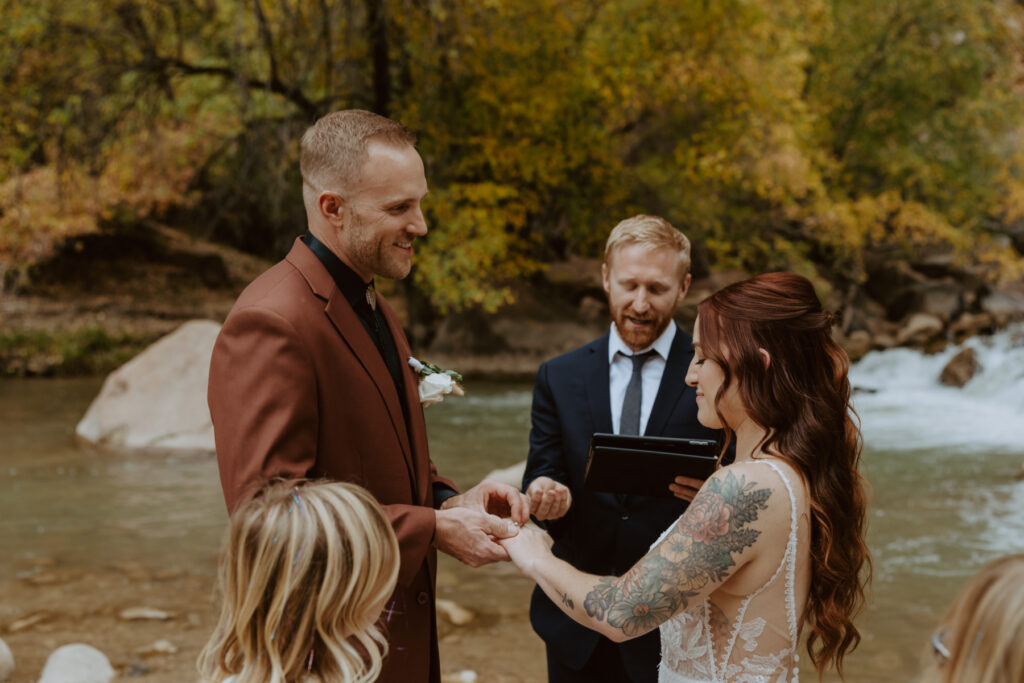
(646,465)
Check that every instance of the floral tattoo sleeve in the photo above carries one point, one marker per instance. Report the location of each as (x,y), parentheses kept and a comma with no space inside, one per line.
(699,550)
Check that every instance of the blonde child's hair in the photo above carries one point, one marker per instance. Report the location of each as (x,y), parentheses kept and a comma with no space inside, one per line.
(651,232)
(307,569)
(983,630)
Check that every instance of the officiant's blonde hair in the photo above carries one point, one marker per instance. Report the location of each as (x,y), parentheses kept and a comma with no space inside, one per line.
(306,572)
(983,630)
(652,232)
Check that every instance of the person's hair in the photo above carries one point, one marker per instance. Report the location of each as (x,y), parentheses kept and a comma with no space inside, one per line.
(652,232)
(802,397)
(983,629)
(306,569)
(334,148)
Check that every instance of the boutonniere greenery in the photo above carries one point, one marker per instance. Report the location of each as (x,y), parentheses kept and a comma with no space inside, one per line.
(435,383)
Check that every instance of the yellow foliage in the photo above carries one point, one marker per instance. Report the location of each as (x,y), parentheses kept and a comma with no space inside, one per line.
(473,251)
(146,172)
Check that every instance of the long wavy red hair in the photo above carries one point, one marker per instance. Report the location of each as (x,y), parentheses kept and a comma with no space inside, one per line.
(802,397)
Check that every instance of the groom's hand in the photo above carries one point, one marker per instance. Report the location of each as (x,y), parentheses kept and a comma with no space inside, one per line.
(493,498)
(471,536)
(548,498)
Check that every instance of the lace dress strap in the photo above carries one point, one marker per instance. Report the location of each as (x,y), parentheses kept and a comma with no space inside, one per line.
(787,564)
(790,561)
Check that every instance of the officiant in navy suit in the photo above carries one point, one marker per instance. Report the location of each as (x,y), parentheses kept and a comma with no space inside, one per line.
(630,381)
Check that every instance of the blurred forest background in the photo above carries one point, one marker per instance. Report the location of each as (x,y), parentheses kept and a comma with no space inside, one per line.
(778,134)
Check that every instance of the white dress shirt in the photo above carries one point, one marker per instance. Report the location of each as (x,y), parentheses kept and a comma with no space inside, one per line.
(620,369)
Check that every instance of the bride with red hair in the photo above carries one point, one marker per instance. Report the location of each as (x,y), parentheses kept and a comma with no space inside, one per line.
(771,543)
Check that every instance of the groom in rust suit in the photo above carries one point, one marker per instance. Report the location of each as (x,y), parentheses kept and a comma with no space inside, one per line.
(309,375)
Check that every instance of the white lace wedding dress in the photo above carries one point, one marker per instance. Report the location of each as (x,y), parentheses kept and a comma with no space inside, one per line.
(760,647)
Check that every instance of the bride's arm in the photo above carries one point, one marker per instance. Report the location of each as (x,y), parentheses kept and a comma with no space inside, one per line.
(730,520)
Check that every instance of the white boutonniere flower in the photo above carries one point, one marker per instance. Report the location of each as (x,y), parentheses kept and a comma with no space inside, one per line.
(435,383)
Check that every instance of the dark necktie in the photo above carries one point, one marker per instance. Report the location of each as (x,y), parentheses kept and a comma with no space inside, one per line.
(629,423)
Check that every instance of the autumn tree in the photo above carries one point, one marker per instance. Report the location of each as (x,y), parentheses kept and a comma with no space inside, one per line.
(778,134)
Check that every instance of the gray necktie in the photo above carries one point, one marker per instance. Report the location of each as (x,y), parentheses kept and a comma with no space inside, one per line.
(629,423)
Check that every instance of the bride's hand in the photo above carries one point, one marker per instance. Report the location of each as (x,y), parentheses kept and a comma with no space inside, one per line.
(529,545)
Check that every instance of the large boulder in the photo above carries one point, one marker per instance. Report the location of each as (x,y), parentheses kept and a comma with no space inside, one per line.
(6,662)
(157,400)
(77,663)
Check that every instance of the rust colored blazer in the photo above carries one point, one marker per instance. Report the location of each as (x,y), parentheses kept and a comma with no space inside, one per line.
(298,389)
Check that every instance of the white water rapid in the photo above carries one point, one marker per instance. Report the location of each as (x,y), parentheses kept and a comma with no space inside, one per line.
(903,406)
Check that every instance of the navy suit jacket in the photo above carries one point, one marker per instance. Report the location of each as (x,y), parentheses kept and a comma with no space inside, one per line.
(602,533)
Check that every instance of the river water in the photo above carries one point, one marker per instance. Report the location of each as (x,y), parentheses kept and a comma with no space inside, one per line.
(941,461)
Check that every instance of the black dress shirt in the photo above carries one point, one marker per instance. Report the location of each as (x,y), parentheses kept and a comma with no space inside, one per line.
(354,290)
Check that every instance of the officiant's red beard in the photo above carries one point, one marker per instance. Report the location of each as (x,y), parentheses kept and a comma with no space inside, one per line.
(637,330)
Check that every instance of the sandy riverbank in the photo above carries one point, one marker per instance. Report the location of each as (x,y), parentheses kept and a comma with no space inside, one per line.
(48,604)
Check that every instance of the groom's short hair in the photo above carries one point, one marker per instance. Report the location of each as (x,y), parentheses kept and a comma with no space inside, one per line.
(652,232)
(334,148)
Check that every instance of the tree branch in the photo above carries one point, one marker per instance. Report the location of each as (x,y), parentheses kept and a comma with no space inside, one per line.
(274,84)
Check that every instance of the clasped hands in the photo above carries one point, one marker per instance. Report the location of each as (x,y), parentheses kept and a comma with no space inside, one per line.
(469,525)
(550,499)
(476,527)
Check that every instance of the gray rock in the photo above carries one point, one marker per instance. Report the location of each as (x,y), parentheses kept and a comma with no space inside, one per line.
(157,400)
(960,368)
(6,662)
(145,613)
(77,663)
(1004,306)
(159,647)
(919,329)
(942,299)
(972,324)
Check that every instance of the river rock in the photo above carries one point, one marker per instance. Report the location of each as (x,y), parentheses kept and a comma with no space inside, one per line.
(972,324)
(159,647)
(945,300)
(454,612)
(145,614)
(960,368)
(77,663)
(157,400)
(462,676)
(1004,306)
(28,622)
(6,661)
(919,329)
